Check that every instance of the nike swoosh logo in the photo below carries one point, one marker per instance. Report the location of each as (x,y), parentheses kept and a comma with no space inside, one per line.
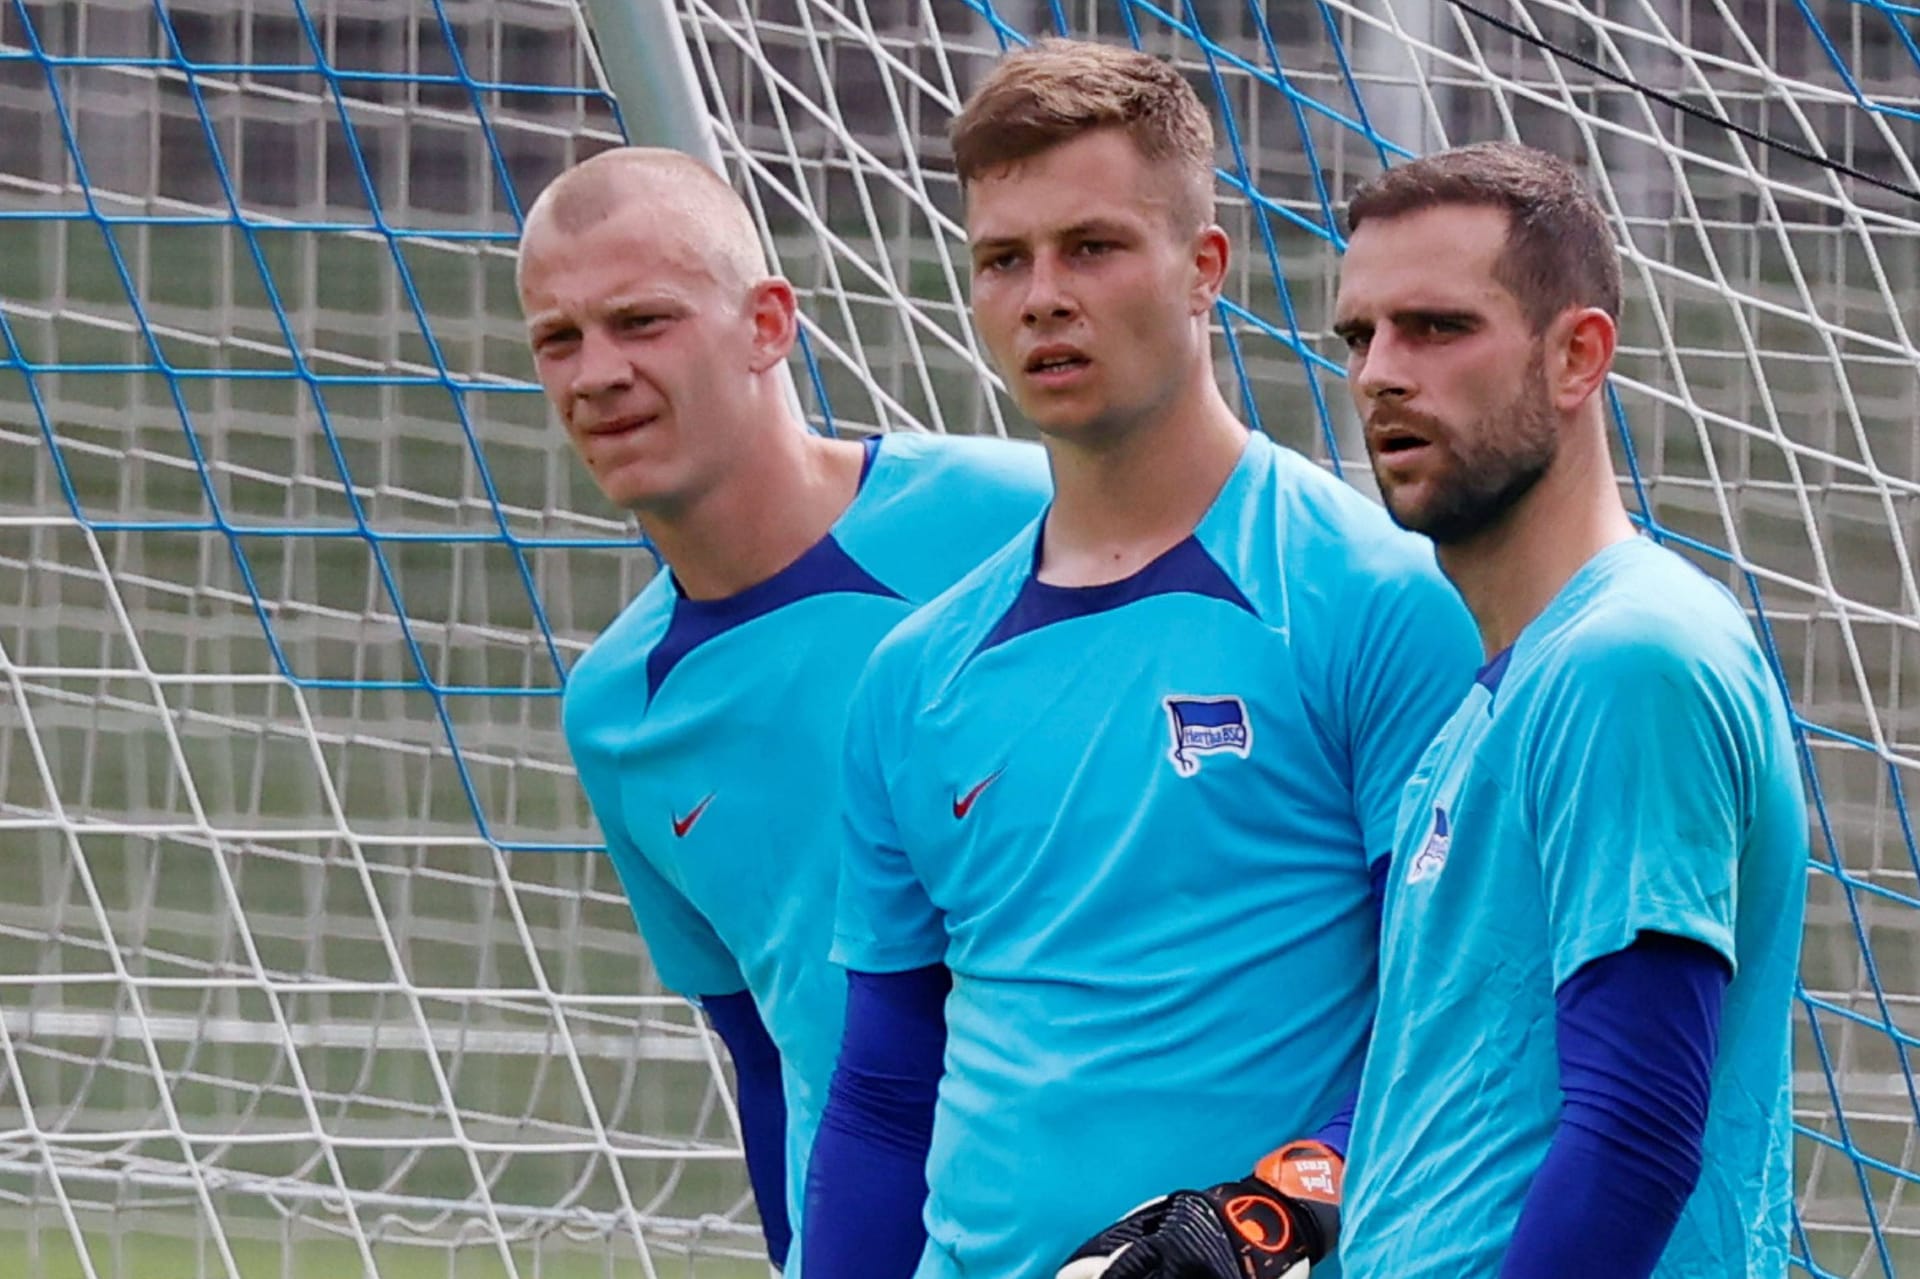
(963,804)
(681,825)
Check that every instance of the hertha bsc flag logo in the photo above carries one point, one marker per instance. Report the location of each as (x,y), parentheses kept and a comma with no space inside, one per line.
(1206,726)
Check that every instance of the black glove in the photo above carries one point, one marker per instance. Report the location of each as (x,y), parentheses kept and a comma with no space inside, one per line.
(1272,1225)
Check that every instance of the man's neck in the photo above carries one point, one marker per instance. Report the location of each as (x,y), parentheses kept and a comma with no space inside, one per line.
(1509,574)
(763,517)
(1119,505)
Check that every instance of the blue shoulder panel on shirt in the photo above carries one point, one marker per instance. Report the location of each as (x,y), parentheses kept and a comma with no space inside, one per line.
(1186,569)
(871,447)
(825,569)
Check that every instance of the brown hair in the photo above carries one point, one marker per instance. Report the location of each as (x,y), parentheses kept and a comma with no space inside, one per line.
(1054,90)
(1560,250)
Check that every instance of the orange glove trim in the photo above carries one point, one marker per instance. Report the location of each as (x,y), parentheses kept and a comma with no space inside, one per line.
(1262,1222)
(1305,1170)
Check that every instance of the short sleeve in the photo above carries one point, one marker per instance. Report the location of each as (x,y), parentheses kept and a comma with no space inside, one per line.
(883,920)
(1410,667)
(1636,787)
(689,956)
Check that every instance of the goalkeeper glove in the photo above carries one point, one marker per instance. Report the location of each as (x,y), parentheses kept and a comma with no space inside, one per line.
(1272,1225)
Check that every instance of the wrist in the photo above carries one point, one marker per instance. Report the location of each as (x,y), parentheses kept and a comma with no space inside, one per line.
(1310,1176)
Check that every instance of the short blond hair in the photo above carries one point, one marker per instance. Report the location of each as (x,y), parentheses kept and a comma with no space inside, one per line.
(1054,90)
(650,179)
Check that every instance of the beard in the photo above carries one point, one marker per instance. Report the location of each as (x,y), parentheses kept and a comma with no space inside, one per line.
(1487,468)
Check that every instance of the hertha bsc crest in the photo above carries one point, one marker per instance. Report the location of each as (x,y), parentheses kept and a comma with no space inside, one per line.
(1432,857)
(1206,726)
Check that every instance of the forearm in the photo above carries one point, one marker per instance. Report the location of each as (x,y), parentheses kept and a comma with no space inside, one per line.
(865,1193)
(763,1111)
(866,1180)
(1594,1211)
(1637,1035)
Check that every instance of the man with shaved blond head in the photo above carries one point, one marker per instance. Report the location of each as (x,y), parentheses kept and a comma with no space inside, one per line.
(706,721)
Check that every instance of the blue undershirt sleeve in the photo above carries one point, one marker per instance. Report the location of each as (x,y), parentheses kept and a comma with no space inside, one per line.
(1637,1032)
(763,1110)
(867,1180)
(1338,1131)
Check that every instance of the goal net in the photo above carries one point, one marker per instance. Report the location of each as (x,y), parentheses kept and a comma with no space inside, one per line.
(308,962)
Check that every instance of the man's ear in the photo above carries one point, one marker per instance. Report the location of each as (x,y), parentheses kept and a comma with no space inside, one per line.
(775,315)
(1211,252)
(1580,344)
